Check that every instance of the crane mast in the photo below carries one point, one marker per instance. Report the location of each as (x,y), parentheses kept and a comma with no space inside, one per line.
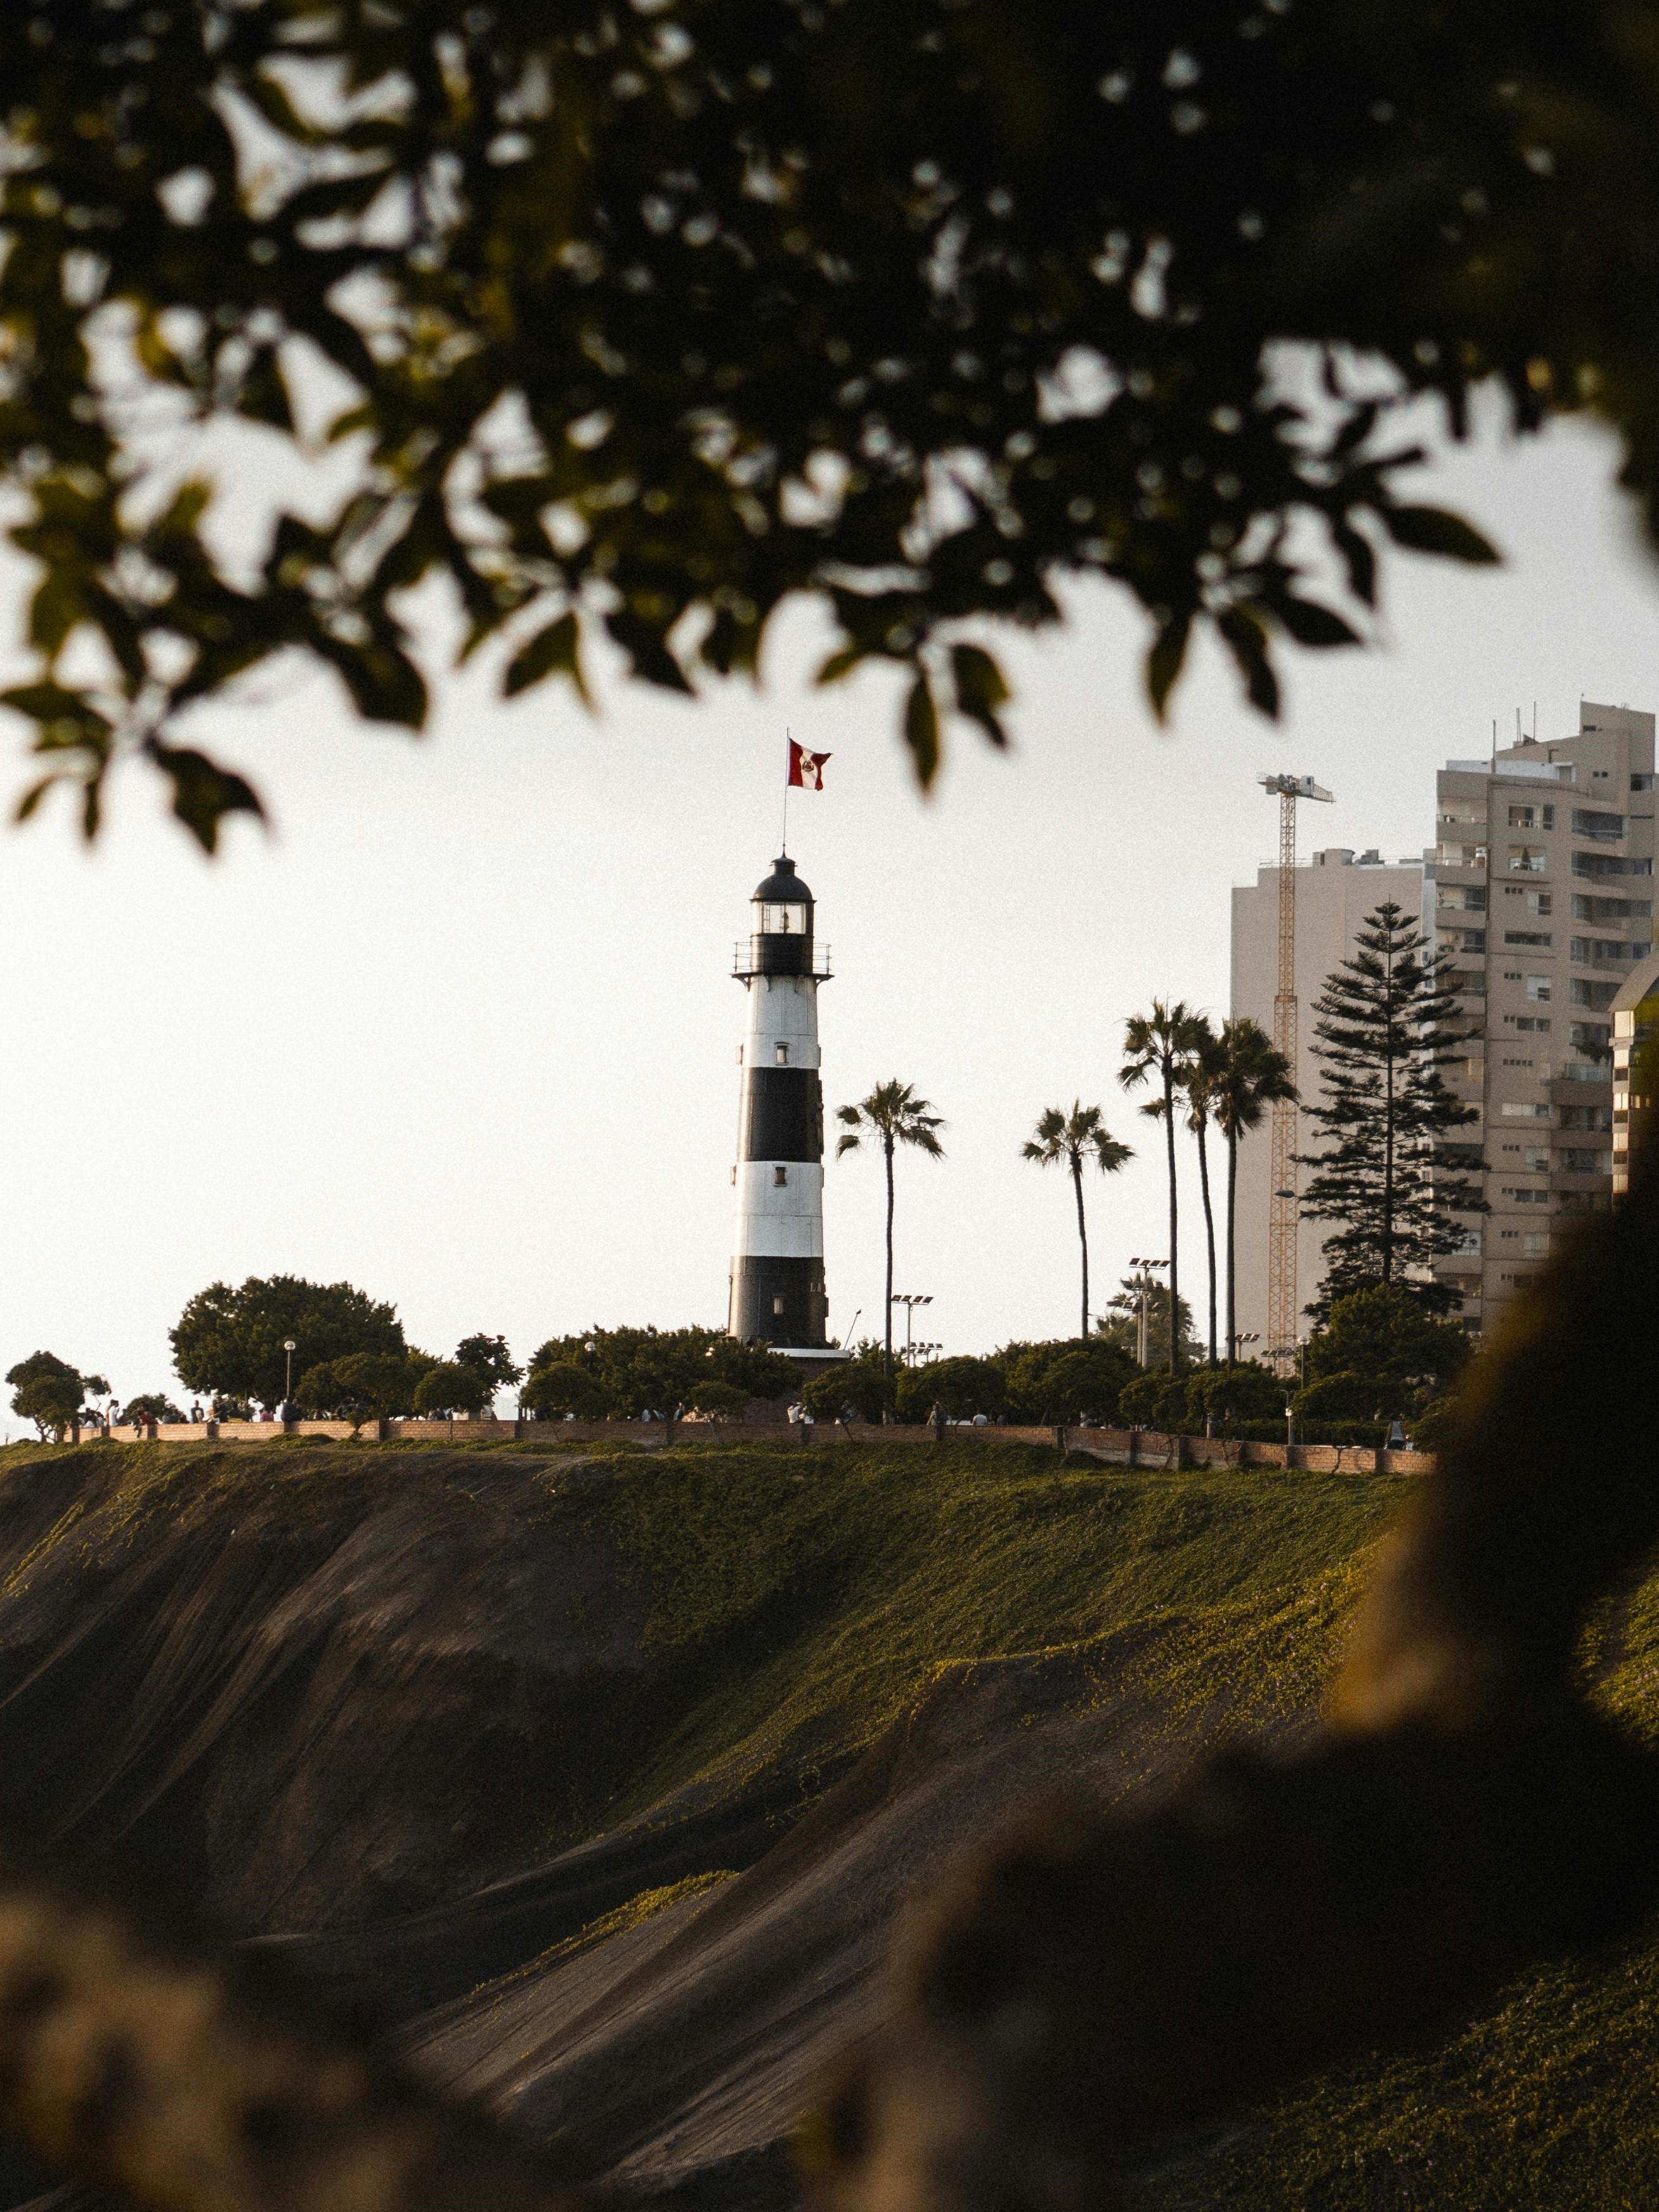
(1282,1219)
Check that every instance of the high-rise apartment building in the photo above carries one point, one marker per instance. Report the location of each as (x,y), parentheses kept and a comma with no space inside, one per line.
(1335,893)
(1541,883)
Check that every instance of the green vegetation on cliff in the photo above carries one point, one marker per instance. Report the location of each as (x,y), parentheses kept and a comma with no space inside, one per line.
(321,1685)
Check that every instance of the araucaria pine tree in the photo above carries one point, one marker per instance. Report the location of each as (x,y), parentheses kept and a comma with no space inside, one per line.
(1387,1174)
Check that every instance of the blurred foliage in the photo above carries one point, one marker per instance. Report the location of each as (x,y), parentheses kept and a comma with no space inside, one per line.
(651,319)
(618,1374)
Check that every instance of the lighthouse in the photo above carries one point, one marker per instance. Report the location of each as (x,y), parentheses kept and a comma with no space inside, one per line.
(777,1250)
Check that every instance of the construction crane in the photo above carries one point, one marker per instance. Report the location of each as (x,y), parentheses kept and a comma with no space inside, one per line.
(1282,1218)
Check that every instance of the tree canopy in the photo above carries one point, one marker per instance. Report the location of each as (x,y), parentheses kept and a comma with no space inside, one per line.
(229,1342)
(620,1373)
(51,1393)
(651,319)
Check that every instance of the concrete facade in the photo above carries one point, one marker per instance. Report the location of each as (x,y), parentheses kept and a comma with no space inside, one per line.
(1335,891)
(1541,882)
(1635,1020)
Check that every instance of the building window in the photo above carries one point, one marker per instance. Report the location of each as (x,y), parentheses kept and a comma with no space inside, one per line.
(1528,1197)
(1539,901)
(1537,986)
(1532,1021)
(1535,1244)
(1538,1159)
(1527,860)
(1598,995)
(1602,827)
(779,1178)
(1576,1162)
(1531,817)
(780,1053)
(1528,936)
(777,1306)
(1642,782)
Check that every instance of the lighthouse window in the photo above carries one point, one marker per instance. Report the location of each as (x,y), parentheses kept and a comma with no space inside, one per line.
(785,921)
(777,1303)
(782,1052)
(780,1176)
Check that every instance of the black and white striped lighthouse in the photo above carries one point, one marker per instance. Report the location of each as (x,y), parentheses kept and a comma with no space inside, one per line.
(777,1252)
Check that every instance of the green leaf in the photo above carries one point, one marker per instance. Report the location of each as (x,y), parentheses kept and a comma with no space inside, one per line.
(980,688)
(203,791)
(1310,623)
(1359,561)
(263,394)
(1432,530)
(57,605)
(921,729)
(646,648)
(555,648)
(837,665)
(384,684)
(1163,662)
(1247,640)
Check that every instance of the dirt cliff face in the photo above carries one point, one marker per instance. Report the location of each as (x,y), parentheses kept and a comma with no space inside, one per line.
(307,1689)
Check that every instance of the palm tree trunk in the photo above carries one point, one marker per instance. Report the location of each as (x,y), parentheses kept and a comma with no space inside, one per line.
(1083,1239)
(1209,1227)
(1175,1255)
(1232,1210)
(887,1359)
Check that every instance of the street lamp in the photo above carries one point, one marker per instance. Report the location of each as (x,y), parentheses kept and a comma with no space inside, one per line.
(1246,1336)
(910,1300)
(1145,1286)
(290,1347)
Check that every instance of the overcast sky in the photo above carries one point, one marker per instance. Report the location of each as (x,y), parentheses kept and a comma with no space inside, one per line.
(462,1030)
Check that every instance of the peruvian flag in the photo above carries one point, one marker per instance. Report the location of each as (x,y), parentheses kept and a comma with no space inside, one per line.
(806,769)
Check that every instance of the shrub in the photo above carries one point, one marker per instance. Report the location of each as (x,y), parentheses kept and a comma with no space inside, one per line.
(720,1401)
(564,1388)
(1248,1394)
(633,1369)
(1154,1401)
(452,1387)
(1066,1380)
(860,1383)
(962,1387)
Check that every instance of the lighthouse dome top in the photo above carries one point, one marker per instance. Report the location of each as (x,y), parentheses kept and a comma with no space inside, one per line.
(783,887)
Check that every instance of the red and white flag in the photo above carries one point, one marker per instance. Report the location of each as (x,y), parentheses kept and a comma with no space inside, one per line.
(806,769)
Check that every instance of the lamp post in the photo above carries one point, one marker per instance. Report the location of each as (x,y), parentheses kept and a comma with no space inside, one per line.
(289,1348)
(1145,1286)
(1245,1336)
(910,1300)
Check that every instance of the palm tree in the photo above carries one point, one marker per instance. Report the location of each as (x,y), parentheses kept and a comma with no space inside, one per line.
(1198,1081)
(892,1115)
(1251,1075)
(1074,1138)
(1161,1043)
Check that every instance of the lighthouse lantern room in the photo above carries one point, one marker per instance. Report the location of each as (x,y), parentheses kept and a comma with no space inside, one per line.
(777,1259)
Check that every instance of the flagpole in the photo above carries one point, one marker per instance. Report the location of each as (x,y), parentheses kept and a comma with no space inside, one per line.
(783,842)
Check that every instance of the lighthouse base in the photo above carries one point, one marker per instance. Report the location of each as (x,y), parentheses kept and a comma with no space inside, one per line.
(778,1302)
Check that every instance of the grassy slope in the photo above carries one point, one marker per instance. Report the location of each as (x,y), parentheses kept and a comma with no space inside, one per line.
(833,1583)
(803,1597)
(1547,2102)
